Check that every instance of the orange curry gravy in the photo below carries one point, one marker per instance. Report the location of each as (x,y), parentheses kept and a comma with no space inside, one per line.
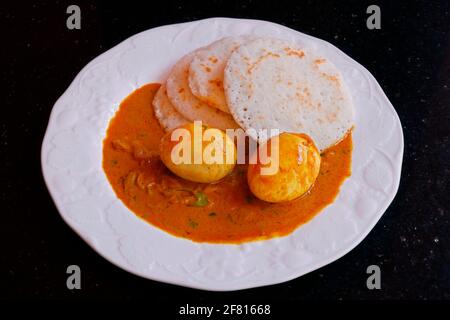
(232,215)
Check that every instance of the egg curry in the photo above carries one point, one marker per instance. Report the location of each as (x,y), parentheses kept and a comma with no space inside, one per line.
(217,203)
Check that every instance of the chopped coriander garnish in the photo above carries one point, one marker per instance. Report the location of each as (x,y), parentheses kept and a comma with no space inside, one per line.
(201,200)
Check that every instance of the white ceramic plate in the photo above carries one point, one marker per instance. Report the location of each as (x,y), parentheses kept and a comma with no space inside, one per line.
(72,157)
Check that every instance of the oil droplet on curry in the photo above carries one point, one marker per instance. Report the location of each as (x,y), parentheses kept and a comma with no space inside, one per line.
(224,212)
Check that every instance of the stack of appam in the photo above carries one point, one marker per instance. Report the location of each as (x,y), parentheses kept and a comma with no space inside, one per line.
(257,83)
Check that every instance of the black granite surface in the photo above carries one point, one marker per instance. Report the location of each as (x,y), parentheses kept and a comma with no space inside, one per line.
(409,56)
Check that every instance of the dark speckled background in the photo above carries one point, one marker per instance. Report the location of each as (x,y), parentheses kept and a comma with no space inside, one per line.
(409,56)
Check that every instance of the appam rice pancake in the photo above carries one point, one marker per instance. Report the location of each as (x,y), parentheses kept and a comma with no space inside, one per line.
(168,117)
(206,71)
(270,84)
(187,104)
